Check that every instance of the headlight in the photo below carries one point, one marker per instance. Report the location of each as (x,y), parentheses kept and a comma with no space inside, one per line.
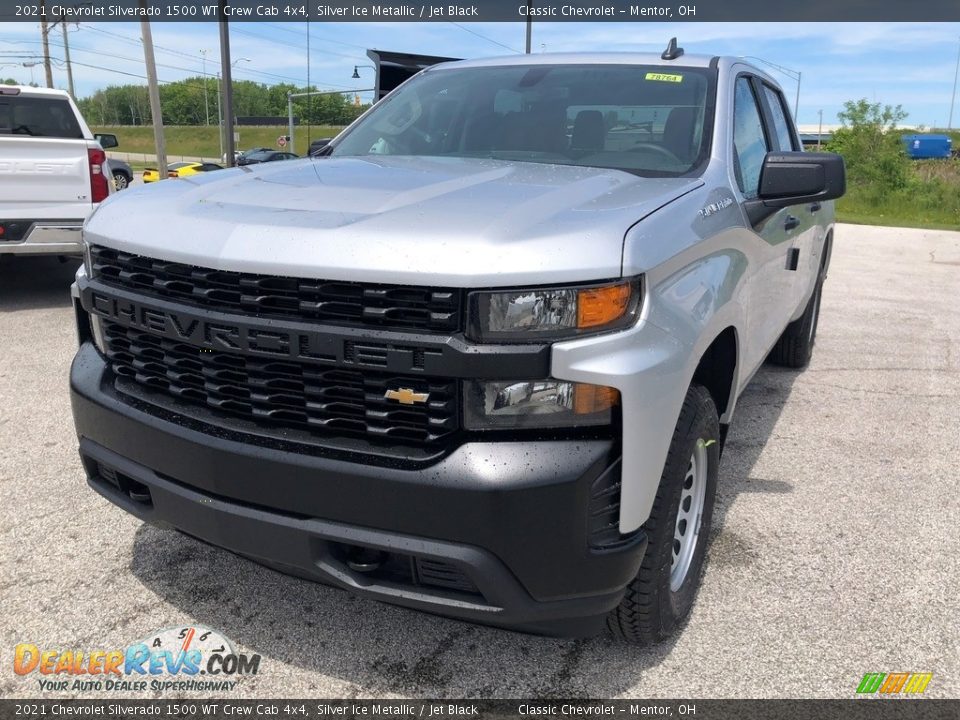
(537,404)
(541,314)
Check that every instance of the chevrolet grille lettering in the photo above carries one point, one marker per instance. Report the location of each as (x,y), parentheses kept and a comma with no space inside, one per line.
(406,396)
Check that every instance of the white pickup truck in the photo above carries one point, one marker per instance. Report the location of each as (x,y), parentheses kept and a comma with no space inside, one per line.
(53,171)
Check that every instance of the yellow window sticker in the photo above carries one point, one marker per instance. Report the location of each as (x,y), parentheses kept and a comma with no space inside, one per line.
(661,77)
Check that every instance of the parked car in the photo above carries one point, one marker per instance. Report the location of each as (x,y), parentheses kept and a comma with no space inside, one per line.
(262,156)
(121,172)
(153,175)
(53,171)
(237,154)
(192,169)
(482,360)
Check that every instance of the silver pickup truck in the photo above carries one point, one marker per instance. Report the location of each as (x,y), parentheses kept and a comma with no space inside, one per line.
(480,357)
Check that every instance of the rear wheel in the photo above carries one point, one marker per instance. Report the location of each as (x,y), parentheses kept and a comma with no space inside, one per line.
(659,599)
(120,180)
(794,349)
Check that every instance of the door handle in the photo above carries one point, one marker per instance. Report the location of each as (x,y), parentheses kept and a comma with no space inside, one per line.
(791,223)
(815,207)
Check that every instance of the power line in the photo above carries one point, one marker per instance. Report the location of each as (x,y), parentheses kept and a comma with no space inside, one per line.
(315,37)
(484,37)
(189,56)
(163,65)
(121,57)
(351,58)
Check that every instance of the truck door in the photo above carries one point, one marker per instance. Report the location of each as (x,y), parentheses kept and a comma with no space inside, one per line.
(808,236)
(770,293)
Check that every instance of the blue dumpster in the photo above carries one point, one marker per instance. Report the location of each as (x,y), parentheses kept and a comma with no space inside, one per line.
(924,146)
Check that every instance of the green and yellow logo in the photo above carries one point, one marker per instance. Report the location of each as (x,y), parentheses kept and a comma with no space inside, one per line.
(894,683)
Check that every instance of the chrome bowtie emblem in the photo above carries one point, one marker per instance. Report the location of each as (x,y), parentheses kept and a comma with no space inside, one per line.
(406,396)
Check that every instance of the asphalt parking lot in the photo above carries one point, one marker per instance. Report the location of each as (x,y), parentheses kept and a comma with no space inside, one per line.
(834,553)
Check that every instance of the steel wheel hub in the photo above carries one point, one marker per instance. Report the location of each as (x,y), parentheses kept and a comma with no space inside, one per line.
(687,530)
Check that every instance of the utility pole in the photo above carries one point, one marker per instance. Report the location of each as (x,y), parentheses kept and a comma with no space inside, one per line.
(220,120)
(953,97)
(820,129)
(227,68)
(66,53)
(154,91)
(44,30)
(529,24)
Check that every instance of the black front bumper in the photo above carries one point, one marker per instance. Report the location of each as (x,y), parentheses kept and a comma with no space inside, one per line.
(504,525)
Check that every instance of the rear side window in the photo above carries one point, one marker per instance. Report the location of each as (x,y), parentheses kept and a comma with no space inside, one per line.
(781,126)
(38,117)
(749,139)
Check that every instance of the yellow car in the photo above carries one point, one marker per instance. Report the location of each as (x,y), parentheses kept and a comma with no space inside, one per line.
(193,169)
(180,169)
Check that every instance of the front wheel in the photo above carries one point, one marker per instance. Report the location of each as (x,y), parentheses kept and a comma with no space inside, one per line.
(120,180)
(659,599)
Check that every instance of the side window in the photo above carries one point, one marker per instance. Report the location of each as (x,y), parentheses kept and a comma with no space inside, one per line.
(749,140)
(781,125)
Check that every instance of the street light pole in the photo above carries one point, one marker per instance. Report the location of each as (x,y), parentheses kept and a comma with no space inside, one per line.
(792,74)
(30,65)
(291,96)
(796,102)
(953,97)
(206,102)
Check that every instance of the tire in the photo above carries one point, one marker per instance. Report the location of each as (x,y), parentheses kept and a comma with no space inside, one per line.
(120,180)
(795,347)
(659,599)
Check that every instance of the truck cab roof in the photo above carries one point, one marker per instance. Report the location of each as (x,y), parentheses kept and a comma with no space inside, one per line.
(693,60)
(32,91)
(584,58)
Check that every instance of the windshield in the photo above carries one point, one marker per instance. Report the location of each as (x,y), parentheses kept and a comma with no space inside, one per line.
(648,120)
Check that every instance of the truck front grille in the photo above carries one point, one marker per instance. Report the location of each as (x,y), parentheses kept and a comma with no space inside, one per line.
(340,303)
(285,393)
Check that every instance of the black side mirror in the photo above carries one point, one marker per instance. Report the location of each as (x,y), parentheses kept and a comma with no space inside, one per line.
(106,140)
(794,178)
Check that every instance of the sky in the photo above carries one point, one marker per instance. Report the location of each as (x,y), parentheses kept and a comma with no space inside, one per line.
(908,64)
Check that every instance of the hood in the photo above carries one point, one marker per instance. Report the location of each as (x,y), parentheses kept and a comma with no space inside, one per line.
(440,221)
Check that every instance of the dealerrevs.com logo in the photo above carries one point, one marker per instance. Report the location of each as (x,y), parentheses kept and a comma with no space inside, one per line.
(174,659)
(894,683)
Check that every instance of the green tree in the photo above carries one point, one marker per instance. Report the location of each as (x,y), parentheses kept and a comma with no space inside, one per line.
(871,146)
